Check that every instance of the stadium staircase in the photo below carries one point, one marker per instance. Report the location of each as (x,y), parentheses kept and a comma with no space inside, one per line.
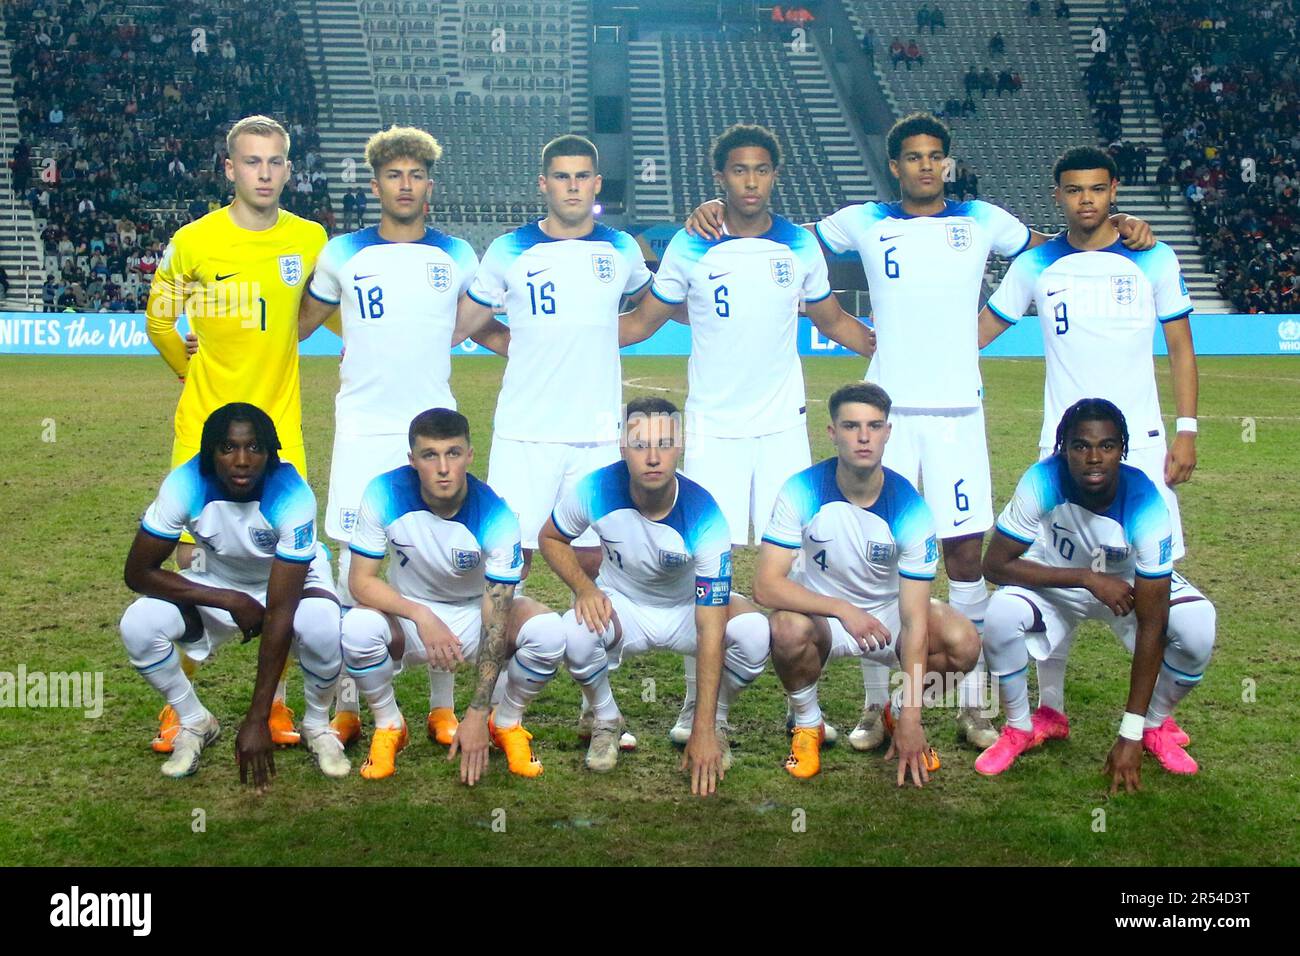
(810,72)
(649,123)
(347,110)
(1140,124)
(20,243)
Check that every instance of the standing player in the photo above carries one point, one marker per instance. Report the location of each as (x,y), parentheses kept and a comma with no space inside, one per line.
(560,282)
(746,414)
(869,550)
(1077,510)
(397,286)
(238,275)
(924,259)
(454,562)
(260,571)
(664,541)
(1098,306)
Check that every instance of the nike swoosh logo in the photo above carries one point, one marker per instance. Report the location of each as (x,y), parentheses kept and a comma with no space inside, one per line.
(223,278)
(357,278)
(958,524)
(538,272)
(718,276)
(821,540)
(398,544)
(1061,529)
(887,238)
(1057,292)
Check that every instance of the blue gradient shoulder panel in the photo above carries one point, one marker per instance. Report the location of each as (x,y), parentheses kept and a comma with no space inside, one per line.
(697,517)
(393,494)
(488,517)
(903,509)
(286,497)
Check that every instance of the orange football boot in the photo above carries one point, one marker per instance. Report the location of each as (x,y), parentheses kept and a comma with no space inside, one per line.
(347,724)
(442,725)
(385,744)
(931,755)
(169,725)
(519,753)
(283,733)
(805,758)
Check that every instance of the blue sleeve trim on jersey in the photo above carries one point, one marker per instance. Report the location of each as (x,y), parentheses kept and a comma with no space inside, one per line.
(823,298)
(364,553)
(294,559)
(500,580)
(915,577)
(560,529)
(158,534)
(782,544)
(321,298)
(640,287)
(470,293)
(998,313)
(1159,574)
(655,292)
(1174,318)
(1012,535)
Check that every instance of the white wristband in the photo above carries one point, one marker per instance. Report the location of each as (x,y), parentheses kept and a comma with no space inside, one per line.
(1185,425)
(1131,726)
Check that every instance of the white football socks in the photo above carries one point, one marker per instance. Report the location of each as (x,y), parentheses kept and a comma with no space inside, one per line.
(1051,683)
(442,688)
(803,702)
(540,644)
(1014,689)
(875,682)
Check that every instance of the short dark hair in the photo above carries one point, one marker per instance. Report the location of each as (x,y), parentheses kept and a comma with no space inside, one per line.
(868,393)
(917,124)
(649,405)
(437,423)
(1090,410)
(1084,157)
(217,427)
(740,135)
(570,144)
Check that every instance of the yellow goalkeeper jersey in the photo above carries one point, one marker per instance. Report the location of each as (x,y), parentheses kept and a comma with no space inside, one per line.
(240,290)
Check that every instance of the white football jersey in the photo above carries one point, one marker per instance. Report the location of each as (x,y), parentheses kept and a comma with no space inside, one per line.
(744,379)
(563,380)
(446,560)
(398,304)
(1133,535)
(1098,311)
(853,553)
(666,563)
(240,539)
(925,274)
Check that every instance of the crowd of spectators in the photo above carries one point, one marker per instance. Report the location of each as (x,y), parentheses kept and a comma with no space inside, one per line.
(1225,79)
(123,110)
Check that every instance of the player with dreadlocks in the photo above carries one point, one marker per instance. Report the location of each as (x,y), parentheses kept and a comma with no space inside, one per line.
(1087,537)
(257,570)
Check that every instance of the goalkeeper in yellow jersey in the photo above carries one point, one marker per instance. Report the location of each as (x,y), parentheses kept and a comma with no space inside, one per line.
(238,274)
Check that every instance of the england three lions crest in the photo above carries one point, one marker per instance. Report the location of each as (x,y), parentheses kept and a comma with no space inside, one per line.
(602,264)
(958,235)
(291,269)
(439,276)
(1124,289)
(464,560)
(783,272)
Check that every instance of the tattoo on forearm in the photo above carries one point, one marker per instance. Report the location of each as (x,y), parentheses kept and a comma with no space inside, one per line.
(492,643)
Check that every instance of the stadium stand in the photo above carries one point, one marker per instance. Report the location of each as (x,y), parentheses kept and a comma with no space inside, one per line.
(123,108)
(1224,78)
(711,82)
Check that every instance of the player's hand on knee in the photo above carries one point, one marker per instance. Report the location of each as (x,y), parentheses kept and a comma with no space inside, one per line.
(870,634)
(471,741)
(702,759)
(909,745)
(442,646)
(248,614)
(255,754)
(594,609)
(191,344)
(1124,765)
(706,219)
(1115,593)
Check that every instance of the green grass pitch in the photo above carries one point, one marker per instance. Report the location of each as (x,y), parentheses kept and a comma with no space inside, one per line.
(88,792)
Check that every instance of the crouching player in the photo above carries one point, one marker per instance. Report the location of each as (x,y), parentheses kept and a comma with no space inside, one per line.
(455,561)
(664,541)
(870,551)
(1088,537)
(257,570)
